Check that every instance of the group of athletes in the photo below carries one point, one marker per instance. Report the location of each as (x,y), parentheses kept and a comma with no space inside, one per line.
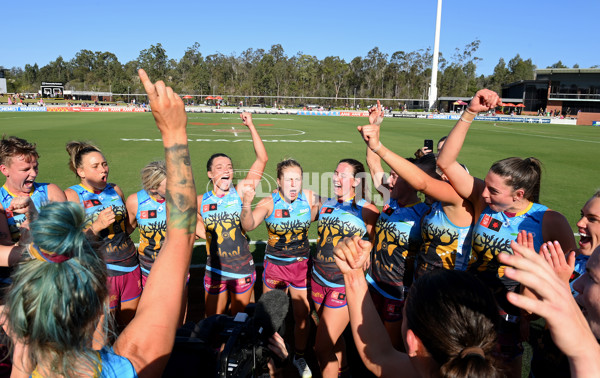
(366,261)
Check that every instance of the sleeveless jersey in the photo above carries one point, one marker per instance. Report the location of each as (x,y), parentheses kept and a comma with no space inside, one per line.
(492,234)
(115,244)
(337,220)
(110,365)
(39,197)
(288,227)
(152,221)
(397,240)
(228,252)
(445,245)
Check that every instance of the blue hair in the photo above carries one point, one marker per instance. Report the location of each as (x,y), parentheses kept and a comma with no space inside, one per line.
(54,308)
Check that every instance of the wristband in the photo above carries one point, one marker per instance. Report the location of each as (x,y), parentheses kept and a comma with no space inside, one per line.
(470,112)
(466,121)
(377,148)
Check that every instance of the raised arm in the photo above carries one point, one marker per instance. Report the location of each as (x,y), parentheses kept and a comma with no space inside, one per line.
(258,167)
(370,336)
(465,185)
(413,175)
(373,160)
(148,340)
(249,218)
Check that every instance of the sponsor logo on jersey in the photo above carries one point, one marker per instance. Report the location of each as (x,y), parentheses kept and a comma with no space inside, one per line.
(327,210)
(91,203)
(388,210)
(209,207)
(491,223)
(148,214)
(279,213)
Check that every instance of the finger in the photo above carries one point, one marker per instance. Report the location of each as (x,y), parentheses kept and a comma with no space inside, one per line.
(161,89)
(528,304)
(571,260)
(535,280)
(170,94)
(148,86)
(530,244)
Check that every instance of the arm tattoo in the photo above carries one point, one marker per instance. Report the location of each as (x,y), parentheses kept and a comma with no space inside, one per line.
(181,190)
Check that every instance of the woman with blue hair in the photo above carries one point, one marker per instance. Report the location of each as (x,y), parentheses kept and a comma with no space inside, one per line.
(58,298)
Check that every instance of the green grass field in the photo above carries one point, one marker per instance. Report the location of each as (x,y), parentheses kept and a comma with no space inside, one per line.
(568,152)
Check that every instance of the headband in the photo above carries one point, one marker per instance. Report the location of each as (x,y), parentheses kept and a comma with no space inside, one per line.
(47,256)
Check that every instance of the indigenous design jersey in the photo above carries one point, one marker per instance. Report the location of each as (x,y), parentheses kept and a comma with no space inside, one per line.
(397,240)
(228,250)
(445,245)
(115,244)
(39,197)
(492,234)
(288,227)
(152,221)
(337,220)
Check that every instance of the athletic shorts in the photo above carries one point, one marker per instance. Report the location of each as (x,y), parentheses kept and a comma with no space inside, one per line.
(124,288)
(389,309)
(145,278)
(283,276)
(328,296)
(218,285)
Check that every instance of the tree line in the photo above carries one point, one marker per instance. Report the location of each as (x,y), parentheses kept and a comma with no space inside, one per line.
(259,72)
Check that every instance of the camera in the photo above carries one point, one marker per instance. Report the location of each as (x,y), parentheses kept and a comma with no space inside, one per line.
(225,346)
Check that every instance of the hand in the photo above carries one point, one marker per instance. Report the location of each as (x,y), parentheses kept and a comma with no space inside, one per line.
(20,205)
(105,218)
(248,194)
(277,346)
(562,266)
(370,134)
(376,114)
(351,253)
(167,107)
(554,301)
(483,101)
(247,119)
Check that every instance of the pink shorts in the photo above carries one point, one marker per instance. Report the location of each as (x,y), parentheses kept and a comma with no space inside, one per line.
(124,288)
(389,309)
(236,286)
(328,296)
(283,276)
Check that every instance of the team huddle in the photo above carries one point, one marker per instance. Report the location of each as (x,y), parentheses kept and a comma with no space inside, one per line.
(429,287)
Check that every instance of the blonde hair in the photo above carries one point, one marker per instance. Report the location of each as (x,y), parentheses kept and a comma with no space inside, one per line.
(153,174)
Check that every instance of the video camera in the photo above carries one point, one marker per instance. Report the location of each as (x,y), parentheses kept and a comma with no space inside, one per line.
(225,346)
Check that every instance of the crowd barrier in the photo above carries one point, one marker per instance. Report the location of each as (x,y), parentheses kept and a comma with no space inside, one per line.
(335,113)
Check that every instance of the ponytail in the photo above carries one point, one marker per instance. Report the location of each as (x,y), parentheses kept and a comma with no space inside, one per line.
(520,173)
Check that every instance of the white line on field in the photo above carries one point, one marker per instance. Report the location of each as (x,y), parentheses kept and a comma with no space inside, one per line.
(540,135)
(234,132)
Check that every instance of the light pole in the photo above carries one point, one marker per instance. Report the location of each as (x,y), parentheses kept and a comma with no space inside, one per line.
(128,94)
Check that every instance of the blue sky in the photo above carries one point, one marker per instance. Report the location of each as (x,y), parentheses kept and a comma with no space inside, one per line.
(545,31)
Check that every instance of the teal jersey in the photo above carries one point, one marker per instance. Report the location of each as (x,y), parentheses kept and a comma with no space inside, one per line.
(288,227)
(39,197)
(397,240)
(115,245)
(337,220)
(492,235)
(151,218)
(445,245)
(226,244)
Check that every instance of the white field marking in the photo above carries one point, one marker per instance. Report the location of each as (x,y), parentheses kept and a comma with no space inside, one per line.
(234,132)
(293,132)
(269,119)
(539,135)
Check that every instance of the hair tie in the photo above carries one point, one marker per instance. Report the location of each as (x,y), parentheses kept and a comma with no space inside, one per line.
(472,351)
(47,256)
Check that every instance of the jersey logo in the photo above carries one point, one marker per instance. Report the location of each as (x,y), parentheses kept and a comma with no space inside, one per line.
(327,210)
(91,203)
(148,214)
(388,210)
(491,223)
(336,295)
(9,214)
(279,213)
(209,207)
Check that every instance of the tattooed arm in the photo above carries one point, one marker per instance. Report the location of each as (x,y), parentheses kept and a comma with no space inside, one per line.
(148,340)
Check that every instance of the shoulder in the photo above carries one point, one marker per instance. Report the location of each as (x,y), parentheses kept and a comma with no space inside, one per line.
(117,189)
(55,193)
(71,194)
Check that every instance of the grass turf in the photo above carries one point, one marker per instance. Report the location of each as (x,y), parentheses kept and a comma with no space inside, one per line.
(130,141)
